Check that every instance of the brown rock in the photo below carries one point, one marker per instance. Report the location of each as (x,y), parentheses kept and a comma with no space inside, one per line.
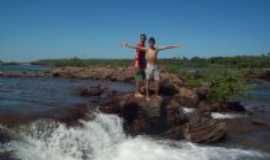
(203,129)
(202,92)
(102,73)
(92,91)
(139,115)
(175,133)
(170,84)
(152,108)
(187,97)
(206,106)
(174,114)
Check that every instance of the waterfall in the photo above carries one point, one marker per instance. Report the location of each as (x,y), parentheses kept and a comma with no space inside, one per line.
(103,138)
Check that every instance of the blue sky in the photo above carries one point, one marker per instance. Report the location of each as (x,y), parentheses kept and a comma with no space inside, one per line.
(36,29)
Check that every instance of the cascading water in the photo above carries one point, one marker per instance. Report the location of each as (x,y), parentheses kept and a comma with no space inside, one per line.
(104,139)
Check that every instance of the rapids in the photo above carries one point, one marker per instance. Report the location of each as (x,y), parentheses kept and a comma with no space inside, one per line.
(103,138)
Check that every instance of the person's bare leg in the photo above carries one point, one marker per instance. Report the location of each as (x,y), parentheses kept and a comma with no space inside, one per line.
(137,87)
(137,90)
(147,89)
(141,84)
(157,87)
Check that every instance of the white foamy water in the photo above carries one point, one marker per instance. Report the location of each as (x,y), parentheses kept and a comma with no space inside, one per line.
(188,110)
(217,115)
(103,139)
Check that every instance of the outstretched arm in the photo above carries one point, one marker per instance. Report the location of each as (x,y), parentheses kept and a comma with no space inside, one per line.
(168,47)
(126,45)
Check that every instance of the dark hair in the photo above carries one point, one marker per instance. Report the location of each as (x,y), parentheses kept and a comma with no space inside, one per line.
(143,35)
(152,39)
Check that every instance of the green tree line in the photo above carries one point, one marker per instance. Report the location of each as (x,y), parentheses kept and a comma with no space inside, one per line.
(244,61)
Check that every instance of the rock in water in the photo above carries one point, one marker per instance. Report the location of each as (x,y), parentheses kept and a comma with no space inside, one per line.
(92,91)
(203,129)
(265,75)
(235,107)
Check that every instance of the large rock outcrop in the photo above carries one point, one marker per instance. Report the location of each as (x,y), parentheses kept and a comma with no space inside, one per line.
(201,128)
(164,117)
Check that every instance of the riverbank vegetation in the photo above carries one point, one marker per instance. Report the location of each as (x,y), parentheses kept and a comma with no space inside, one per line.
(244,61)
(78,62)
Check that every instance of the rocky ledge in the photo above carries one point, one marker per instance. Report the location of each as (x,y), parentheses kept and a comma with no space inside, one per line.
(99,73)
(168,115)
(178,113)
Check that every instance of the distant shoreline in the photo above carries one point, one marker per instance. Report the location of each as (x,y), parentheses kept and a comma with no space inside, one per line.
(243,61)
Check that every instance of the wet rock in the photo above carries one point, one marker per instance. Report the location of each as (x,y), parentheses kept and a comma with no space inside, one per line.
(136,110)
(71,115)
(187,97)
(5,135)
(175,114)
(175,133)
(15,119)
(203,129)
(92,91)
(206,106)
(259,122)
(153,107)
(202,92)
(235,106)
(139,115)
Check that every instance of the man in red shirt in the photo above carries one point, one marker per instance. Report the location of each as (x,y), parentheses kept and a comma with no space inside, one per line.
(140,65)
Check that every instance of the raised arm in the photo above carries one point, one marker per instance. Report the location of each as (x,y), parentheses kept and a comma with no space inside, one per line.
(126,45)
(168,47)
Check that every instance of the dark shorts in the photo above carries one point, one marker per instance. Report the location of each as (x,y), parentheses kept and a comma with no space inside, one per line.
(139,75)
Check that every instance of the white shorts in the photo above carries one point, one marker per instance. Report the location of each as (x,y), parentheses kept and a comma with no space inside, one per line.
(152,72)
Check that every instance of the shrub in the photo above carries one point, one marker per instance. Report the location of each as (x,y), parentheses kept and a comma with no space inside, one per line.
(226,85)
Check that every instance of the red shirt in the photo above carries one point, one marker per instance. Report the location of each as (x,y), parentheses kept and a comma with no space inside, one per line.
(140,56)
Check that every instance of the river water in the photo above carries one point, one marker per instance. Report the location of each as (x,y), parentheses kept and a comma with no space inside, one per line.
(102,138)
(32,95)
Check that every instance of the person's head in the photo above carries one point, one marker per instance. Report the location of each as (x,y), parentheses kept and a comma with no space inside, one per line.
(151,42)
(143,37)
